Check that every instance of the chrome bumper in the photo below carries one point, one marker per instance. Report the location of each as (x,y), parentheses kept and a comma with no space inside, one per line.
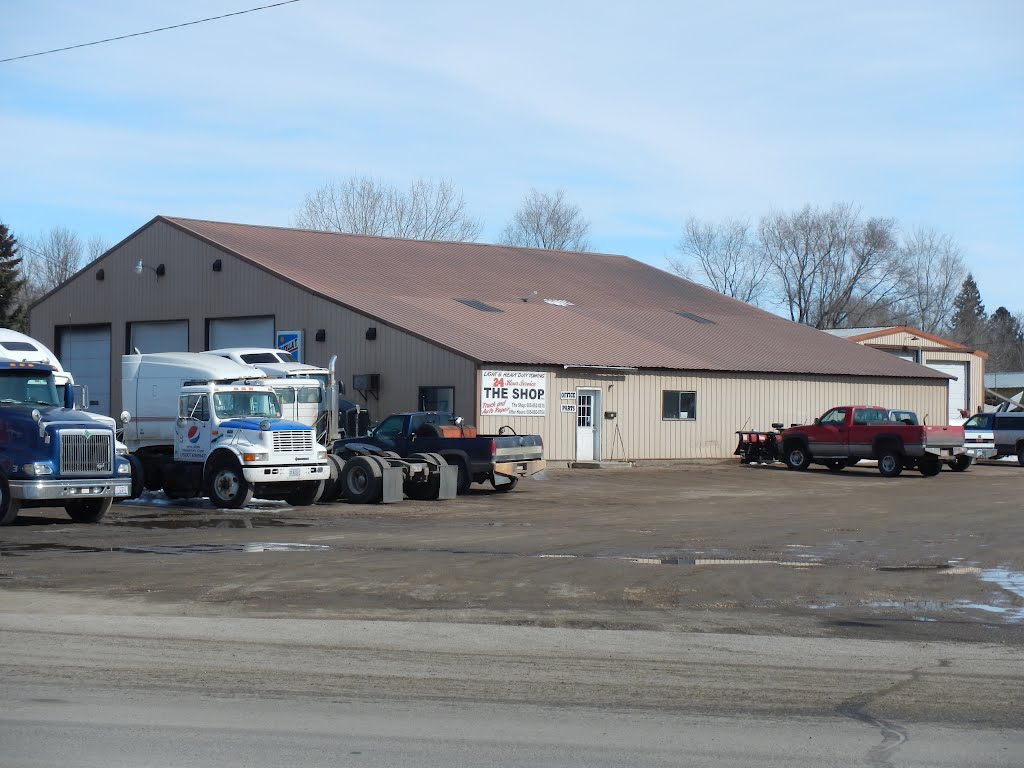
(70,489)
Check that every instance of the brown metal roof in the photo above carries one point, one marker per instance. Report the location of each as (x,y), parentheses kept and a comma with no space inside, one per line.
(589,309)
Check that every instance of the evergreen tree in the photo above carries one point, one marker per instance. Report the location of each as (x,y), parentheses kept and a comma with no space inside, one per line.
(1005,342)
(967,325)
(12,313)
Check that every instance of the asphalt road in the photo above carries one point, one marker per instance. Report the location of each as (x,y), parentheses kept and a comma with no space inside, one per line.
(90,690)
(704,615)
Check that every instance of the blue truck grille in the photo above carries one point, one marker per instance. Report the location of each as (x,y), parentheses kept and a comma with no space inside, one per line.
(297,441)
(83,452)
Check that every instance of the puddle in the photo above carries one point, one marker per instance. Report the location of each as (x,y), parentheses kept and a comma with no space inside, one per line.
(161,522)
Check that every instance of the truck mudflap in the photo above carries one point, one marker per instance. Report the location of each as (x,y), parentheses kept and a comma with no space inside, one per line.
(757,447)
(68,490)
(519,468)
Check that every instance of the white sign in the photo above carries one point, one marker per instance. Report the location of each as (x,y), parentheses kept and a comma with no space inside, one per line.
(567,395)
(513,393)
(568,407)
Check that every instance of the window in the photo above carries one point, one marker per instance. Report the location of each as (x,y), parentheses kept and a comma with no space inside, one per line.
(437,399)
(678,405)
(835,416)
(239,403)
(390,427)
(981,421)
(19,346)
(260,357)
(194,407)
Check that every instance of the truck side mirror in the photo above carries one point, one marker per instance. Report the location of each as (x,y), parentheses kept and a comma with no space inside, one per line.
(817,422)
(80,396)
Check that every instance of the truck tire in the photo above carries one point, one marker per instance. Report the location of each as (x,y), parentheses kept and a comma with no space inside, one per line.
(465,478)
(90,511)
(9,506)
(305,493)
(362,480)
(431,489)
(797,457)
(332,485)
(138,476)
(227,486)
(961,463)
(890,462)
(509,484)
(929,466)
(1020,454)
(835,465)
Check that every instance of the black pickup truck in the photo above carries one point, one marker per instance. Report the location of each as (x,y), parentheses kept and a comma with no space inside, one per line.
(499,459)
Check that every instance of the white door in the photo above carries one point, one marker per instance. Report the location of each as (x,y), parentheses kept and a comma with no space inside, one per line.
(588,436)
(957,388)
(85,353)
(169,336)
(242,332)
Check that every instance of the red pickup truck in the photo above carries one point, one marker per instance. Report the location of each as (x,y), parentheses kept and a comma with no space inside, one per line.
(844,435)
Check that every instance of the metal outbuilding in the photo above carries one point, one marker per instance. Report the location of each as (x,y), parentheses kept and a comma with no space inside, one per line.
(606,357)
(964,365)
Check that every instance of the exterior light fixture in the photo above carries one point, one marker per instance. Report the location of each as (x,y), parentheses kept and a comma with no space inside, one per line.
(100,275)
(217,266)
(159,268)
(371,333)
(321,335)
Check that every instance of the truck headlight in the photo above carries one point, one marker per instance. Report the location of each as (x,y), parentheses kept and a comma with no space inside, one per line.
(254,457)
(124,468)
(35,470)
(321,454)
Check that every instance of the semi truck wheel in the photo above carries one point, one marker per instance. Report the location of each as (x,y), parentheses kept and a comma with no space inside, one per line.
(91,511)
(332,485)
(797,457)
(305,493)
(227,486)
(430,489)
(362,480)
(9,507)
(138,476)
(890,463)
(961,463)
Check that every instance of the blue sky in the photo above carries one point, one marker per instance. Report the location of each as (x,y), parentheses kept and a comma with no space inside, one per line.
(644,112)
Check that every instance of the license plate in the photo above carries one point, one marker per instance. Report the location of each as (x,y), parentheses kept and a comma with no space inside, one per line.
(296,472)
(121,490)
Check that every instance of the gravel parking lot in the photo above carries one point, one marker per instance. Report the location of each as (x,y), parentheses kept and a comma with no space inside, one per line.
(706,547)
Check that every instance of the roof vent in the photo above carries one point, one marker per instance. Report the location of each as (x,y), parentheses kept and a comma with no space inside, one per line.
(479,305)
(559,302)
(696,318)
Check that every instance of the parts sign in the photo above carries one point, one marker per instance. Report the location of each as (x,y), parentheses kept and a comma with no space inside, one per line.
(513,393)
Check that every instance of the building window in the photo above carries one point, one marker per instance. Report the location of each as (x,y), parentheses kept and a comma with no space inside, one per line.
(437,399)
(678,405)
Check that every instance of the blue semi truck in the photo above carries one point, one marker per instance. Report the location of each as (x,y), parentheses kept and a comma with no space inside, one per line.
(52,455)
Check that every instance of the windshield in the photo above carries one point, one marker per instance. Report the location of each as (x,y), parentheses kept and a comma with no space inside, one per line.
(241,404)
(259,357)
(28,388)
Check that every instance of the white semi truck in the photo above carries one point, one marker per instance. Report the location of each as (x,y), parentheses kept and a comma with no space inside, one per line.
(207,426)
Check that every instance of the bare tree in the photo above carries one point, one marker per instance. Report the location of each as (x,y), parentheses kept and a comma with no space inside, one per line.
(428,210)
(933,269)
(547,221)
(96,247)
(831,268)
(49,260)
(723,256)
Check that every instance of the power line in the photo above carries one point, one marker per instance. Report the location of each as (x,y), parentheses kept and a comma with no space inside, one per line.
(147,32)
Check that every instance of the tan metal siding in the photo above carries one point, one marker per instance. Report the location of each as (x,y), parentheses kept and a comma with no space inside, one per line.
(725,404)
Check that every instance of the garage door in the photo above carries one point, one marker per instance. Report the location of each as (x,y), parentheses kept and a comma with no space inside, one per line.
(171,336)
(241,332)
(85,353)
(957,388)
